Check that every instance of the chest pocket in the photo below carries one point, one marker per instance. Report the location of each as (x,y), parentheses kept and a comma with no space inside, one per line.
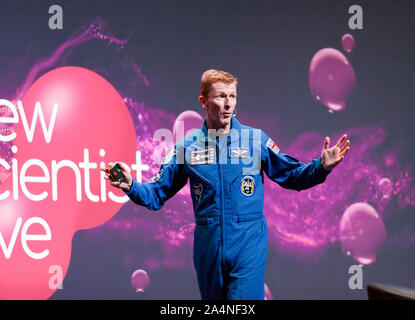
(203,193)
(247,192)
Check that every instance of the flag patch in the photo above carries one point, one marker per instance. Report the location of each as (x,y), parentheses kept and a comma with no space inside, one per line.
(273,146)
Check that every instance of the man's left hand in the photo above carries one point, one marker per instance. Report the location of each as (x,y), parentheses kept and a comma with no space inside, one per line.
(331,157)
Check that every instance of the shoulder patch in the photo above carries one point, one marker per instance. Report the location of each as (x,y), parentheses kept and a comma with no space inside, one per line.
(273,146)
(157,176)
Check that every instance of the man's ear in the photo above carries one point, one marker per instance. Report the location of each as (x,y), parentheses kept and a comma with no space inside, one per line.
(202,102)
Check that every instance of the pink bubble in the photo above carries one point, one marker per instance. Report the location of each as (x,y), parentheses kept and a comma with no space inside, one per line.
(140,280)
(385,187)
(331,78)
(185,123)
(268,295)
(362,232)
(348,42)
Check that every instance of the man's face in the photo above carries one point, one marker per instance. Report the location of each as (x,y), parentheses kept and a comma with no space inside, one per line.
(220,104)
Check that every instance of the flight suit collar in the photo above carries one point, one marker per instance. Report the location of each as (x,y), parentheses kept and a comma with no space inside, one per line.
(235,125)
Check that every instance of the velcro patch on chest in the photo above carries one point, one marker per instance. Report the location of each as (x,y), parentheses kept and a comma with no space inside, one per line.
(204,156)
(247,185)
(235,152)
(273,146)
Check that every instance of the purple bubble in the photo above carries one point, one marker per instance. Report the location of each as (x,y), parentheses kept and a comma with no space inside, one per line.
(185,123)
(348,42)
(140,280)
(362,232)
(331,78)
(385,187)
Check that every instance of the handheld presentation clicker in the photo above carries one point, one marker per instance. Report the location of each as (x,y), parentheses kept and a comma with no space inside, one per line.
(116,173)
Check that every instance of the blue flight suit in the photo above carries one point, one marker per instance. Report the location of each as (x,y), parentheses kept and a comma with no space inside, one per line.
(226,174)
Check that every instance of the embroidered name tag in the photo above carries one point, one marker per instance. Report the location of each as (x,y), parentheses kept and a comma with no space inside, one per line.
(273,146)
(203,156)
(238,152)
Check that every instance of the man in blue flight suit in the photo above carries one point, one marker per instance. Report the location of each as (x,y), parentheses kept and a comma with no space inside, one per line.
(225,162)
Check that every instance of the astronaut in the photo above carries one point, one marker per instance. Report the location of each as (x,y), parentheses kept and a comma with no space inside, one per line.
(225,162)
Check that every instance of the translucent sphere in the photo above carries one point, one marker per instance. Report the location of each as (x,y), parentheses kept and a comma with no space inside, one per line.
(140,280)
(185,123)
(362,232)
(348,42)
(331,78)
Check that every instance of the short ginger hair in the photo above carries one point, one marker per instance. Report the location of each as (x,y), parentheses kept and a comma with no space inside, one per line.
(212,76)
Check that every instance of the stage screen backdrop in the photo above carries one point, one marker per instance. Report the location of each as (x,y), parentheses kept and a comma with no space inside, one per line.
(85,83)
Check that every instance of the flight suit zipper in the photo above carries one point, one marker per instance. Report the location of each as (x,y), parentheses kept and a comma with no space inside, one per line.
(221,201)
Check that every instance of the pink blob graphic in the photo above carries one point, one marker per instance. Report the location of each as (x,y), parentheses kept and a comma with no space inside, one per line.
(268,295)
(348,42)
(185,123)
(58,182)
(140,280)
(331,78)
(385,187)
(362,232)
(26,272)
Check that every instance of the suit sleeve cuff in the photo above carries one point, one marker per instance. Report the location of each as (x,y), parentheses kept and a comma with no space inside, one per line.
(133,186)
(320,169)
(135,193)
